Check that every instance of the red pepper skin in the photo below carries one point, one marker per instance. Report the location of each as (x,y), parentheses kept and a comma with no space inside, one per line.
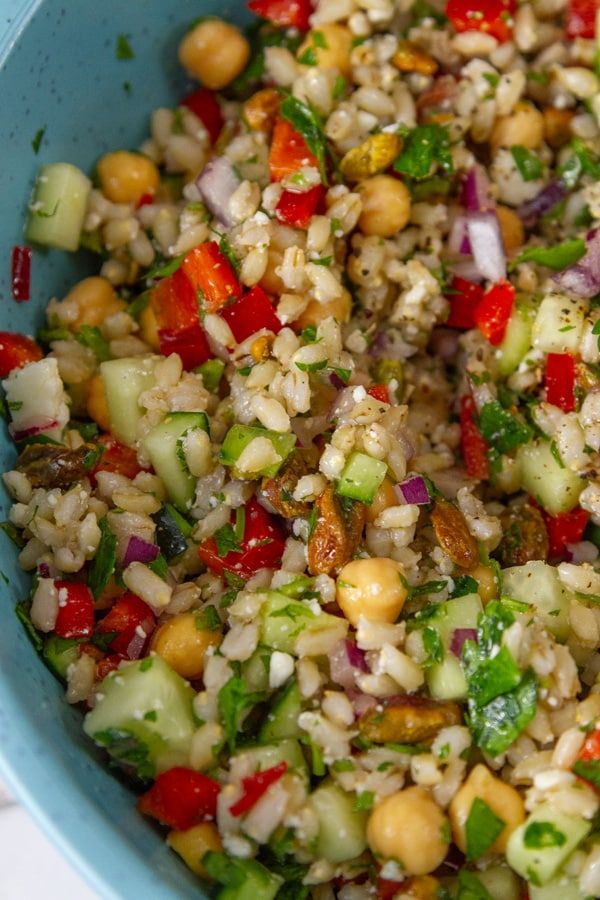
(259,526)
(387,889)
(494,311)
(128,618)
(16,351)
(566,528)
(145,200)
(117,458)
(380,392)
(75,617)
(181,798)
(289,151)
(590,752)
(474,448)
(21,273)
(255,786)
(581,18)
(107,665)
(208,270)
(491,17)
(250,313)
(204,104)
(297,209)
(175,304)
(290,13)
(560,381)
(464,299)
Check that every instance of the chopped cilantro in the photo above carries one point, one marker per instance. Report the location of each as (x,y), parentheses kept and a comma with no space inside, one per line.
(91,337)
(463,584)
(307,122)
(228,251)
(308,57)
(432,643)
(37,140)
(323,261)
(123,48)
(425,147)
(207,619)
(589,770)
(226,540)
(503,431)
(343,765)
(233,700)
(312,367)
(339,87)
(165,268)
(104,563)
(529,165)
(364,801)
(482,828)
(159,566)
(470,887)
(556,258)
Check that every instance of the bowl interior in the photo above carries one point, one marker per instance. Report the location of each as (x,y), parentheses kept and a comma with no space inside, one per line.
(59,72)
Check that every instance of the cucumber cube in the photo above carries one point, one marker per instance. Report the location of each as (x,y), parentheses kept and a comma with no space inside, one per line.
(559,324)
(265,757)
(342,828)
(361,478)
(556,489)
(124,381)
(282,718)
(516,343)
(59,653)
(446,680)
(283,620)
(239,436)
(538,848)
(57,208)
(537,584)
(163,445)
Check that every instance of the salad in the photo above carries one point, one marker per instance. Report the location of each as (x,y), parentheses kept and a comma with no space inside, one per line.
(308,475)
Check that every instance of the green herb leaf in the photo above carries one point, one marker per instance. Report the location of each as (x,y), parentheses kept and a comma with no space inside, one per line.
(555,258)
(127,748)
(364,801)
(164,269)
(159,566)
(502,430)
(425,147)
(432,643)
(233,700)
(228,251)
(227,541)
(91,337)
(471,888)
(308,58)
(312,367)
(307,122)
(429,587)
(589,770)
(482,828)
(12,532)
(207,619)
(37,140)
(464,584)
(123,48)
(105,561)
(529,165)
(339,87)
(212,373)
(538,835)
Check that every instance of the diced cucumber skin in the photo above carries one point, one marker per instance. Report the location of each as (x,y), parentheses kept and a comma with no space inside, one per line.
(147,685)
(559,324)
(239,436)
(282,719)
(342,828)
(538,584)
(559,888)
(361,478)
(516,343)
(259,884)
(446,680)
(161,445)
(59,653)
(280,632)
(556,489)
(58,206)
(540,865)
(266,756)
(169,536)
(124,381)
(501,883)
(254,671)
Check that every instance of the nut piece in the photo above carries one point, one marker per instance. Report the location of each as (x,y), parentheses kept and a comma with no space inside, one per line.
(260,110)
(279,489)
(410,58)
(453,534)
(374,155)
(524,537)
(48,466)
(335,536)
(409,719)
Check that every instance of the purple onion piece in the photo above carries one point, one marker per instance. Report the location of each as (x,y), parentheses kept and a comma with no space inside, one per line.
(43,570)
(583,278)
(459,636)
(486,242)
(20,434)
(139,550)
(356,656)
(336,381)
(531,212)
(413,490)
(217,182)
(476,192)
(458,238)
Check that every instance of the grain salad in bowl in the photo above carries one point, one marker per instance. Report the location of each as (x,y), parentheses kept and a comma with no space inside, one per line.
(308,473)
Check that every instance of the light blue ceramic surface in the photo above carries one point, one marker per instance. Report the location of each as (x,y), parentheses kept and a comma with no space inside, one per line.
(58,69)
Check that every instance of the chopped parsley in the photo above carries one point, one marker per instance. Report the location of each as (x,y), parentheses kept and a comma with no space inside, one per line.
(233,700)
(589,770)
(163,269)
(556,258)
(208,619)
(227,541)
(105,560)
(463,584)
(425,147)
(37,140)
(529,165)
(307,122)
(123,48)
(503,431)
(432,643)
(482,828)
(364,801)
(91,337)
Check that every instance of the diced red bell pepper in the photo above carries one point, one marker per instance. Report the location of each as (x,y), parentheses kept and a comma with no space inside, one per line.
(560,381)
(204,104)
(581,18)
(145,200)
(16,350)
(387,889)
(380,392)
(107,665)
(255,786)
(492,16)
(209,271)
(117,458)
(75,617)
(296,209)
(494,311)
(181,798)
(21,273)
(464,297)
(288,13)
(175,304)
(132,622)
(250,313)
(289,151)
(473,446)
(589,753)
(566,528)
(261,547)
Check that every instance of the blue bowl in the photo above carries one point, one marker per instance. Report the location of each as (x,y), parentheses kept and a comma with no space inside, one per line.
(59,71)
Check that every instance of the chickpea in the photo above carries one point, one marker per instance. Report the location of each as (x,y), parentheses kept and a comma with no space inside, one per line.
(487,587)
(557,126)
(316,312)
(149,328)
(183,645)
(385,206)
(260,110)
(373,588)
(192,844)
(96,404)
(502,799)
(524,126)
(125,177)
(513,233)
(94,299)
(215,52)
(331,45)
(409,827)
(385,496)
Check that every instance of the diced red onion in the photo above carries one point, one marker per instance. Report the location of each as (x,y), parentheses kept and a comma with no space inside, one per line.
(139,550)
(217,182)
(340,670)
(476,192)
(459,636)
(413,490)
(466,268)
(43,570)
(32,428)
(531,212)
(486,241)
(458,239)
(583,552)
(583,278)
(362,703)
(356,656)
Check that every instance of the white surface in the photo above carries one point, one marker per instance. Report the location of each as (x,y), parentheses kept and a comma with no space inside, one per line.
(30,866)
